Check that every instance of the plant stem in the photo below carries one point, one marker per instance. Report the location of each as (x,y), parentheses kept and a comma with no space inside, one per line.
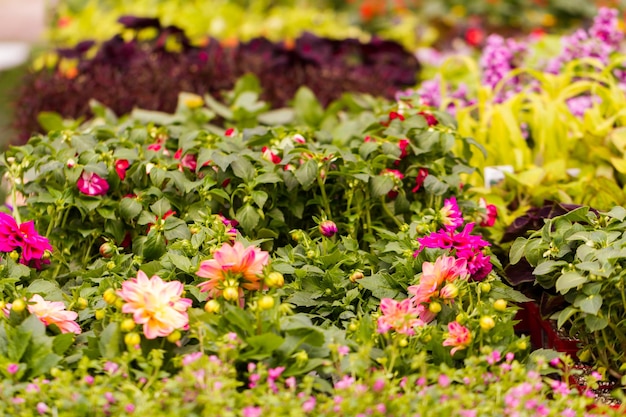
(325,202)
(389,213)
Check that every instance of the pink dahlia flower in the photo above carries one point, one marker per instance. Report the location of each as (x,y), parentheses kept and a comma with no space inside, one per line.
(402,316)
(156,304)
(53,312)
(458,336)
(236,262)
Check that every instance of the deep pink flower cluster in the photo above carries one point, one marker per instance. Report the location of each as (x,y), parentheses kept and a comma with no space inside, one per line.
(602,39)
(464,246)
(24,237)
(499,57)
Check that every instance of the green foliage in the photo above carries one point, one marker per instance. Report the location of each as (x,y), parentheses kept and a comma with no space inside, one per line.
(581,256)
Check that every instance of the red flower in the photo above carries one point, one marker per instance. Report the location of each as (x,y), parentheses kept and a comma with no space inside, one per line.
(430,119)
(474,36)
(229,132)
(392,116)
(121,165)
(419,180)
(270,156)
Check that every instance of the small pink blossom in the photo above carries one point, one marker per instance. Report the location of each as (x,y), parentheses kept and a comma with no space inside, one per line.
(156,304)
(458,336)
(402,316)
(252,411)
(188,161)
(92,184)
(53,312)
(12,368)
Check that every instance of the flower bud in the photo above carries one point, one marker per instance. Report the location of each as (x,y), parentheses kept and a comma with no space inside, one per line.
(174,336)
(193,101)
(328,228)
(356,275)
(212,306)
(403,342)
(449,291)
(109,296)
(14,255)
(500,305)
(266,302)
(231,293)
(18,305)
(99,314)
(71,163)
(107,249)
(81,303)
(132,339)
(485,287)
(434,307)
(487,323)
(127,325)
(275,280)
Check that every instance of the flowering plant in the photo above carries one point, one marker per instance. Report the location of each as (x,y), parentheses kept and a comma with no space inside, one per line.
(578,256)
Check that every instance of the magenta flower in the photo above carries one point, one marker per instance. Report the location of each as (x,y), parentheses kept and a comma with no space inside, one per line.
(9,233)
(91,183)
(463,245)
(491,213)
(23,236)
(451,215)
(328,228)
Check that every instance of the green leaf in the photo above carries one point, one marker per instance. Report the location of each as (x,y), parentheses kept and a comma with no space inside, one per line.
(62,342)
(129,208)
(154,247)
(277,117)
(306,174)
(548,266)
(618,213)
(243,168)
(161,207)
(109,341)
(181,262)
(433,185)
(262,346)
(259,197)
(595,323)
(50,121)
(564,315)
(568,281)
(517,250)
(248,218)
(175,228)
(381,185)
(47,289)
(590,304)
(307,108)
(268,178)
